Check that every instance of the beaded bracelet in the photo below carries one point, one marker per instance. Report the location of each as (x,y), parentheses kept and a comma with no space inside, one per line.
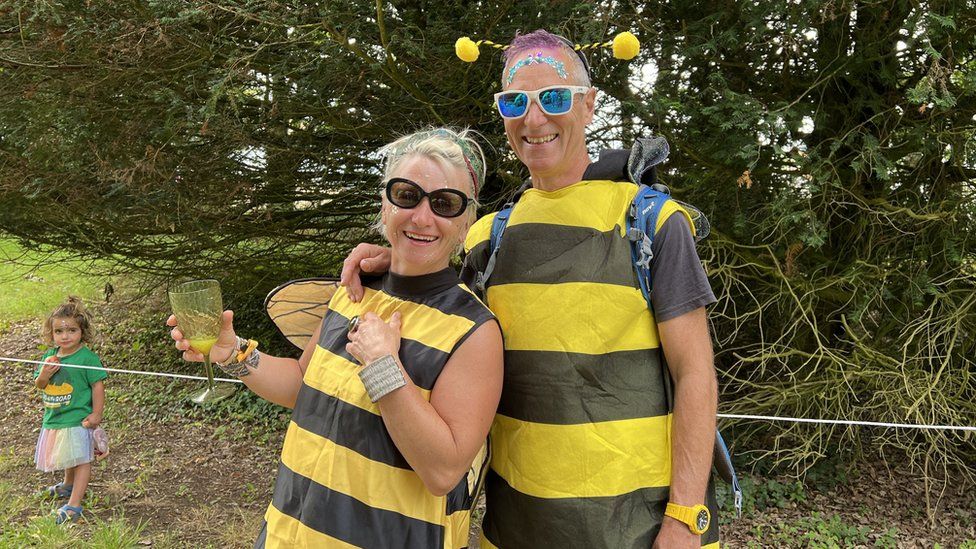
(246,356)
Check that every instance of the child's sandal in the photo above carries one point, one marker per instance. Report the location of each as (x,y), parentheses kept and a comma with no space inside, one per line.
(68,513)
(58,491)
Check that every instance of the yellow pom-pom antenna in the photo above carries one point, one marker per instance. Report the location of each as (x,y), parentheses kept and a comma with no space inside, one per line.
(466,49)
(625,46)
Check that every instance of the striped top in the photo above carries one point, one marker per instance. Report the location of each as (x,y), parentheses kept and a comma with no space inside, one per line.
(342,482)
(581,444)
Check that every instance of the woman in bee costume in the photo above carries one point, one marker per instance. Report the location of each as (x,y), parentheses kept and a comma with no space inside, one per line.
(393,396)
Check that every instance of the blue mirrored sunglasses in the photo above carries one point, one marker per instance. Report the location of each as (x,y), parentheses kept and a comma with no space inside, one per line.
(553,100)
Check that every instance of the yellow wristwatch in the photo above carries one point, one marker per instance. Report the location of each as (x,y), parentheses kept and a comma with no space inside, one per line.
(697,518)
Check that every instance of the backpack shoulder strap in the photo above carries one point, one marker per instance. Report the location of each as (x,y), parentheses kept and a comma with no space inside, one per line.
(498,226)
(641,227)
(495,239)
(641,224)
(497,229)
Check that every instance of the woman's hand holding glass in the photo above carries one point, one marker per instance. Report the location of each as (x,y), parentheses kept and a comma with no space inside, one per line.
(373,338)
(222,348)
(198,307)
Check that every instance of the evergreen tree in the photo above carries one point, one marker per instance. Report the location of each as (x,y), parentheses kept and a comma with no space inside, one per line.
(831,142)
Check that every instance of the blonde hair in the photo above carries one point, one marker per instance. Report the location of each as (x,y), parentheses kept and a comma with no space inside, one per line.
(453,147)
(450,147)
(74,309)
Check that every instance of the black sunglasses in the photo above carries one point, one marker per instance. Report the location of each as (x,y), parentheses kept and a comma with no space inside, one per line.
(404,193)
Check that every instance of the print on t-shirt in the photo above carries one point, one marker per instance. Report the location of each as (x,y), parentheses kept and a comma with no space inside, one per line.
(57,396)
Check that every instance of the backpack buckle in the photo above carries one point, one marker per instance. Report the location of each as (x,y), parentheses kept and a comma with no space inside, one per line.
(635,235)
(645,254)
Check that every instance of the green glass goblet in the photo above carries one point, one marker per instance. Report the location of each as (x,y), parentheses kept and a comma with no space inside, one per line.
(198,307)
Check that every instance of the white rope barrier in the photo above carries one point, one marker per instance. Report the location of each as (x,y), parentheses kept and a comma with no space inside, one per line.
(724,416)
(850,422)
(158,374)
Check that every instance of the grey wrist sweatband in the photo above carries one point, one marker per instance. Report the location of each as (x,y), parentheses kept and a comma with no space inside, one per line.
(381,377)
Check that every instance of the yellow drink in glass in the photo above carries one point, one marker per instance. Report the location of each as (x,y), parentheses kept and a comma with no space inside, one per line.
(198,306)
(202,344)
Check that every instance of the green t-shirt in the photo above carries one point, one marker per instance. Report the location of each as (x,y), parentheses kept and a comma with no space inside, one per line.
(68,395)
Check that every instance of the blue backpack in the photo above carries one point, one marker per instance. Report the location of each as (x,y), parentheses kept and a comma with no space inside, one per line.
(641,222)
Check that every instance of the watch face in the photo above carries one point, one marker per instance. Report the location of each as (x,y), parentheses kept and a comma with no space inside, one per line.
(702,520)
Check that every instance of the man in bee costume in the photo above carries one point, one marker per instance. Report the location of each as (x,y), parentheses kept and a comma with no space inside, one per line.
(592,446)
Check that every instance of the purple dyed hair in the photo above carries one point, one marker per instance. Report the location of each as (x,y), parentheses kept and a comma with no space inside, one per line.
(544,40)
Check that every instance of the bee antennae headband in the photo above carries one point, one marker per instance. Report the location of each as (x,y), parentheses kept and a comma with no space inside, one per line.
(625,46)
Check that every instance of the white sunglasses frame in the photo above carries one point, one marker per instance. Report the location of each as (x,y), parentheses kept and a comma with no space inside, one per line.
(534,97)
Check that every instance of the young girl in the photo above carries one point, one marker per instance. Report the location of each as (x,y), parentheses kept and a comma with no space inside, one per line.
(74,399)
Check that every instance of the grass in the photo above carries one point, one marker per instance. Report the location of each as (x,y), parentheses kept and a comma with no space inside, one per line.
(41,531)
(32,292)
(815,529)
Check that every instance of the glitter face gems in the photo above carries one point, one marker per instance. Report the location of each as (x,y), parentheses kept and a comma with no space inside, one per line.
(66,335)
(421,240)
(540,59)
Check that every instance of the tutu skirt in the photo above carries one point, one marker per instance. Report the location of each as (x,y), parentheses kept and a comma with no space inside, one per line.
(59,449)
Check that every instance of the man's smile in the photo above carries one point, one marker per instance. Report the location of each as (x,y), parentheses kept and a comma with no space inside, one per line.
(540,140)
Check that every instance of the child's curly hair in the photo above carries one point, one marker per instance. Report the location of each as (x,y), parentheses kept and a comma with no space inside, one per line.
(74,309)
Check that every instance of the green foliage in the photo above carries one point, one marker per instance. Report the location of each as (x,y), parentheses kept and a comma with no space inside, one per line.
(9,502)
(166,400)
(830,531)
(830,472)
(117,533)
(178,138)
(823,531)
(841,254)
(759,494)
(830,143)
(42,532)
(763,489)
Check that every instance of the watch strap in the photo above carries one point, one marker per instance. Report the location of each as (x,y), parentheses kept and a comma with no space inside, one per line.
(697,518)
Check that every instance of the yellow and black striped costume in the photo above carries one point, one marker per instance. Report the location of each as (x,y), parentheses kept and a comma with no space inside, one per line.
(342,482)
(581,445)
